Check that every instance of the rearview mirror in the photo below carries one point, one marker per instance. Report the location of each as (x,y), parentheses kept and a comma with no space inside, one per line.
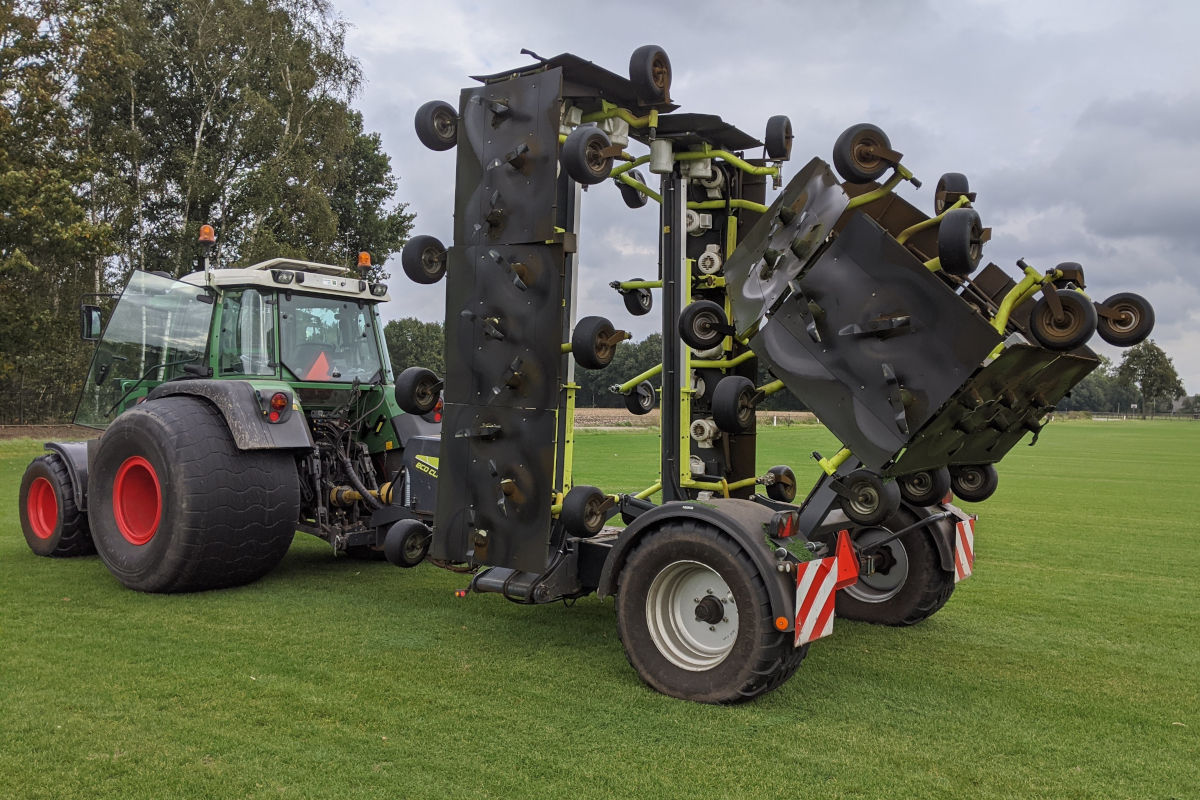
(89,323)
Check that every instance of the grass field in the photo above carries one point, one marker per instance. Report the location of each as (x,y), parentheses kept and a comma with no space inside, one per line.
(1068,667)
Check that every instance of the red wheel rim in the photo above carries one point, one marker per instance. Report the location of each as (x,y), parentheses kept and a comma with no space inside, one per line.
(137,500)
(42,508)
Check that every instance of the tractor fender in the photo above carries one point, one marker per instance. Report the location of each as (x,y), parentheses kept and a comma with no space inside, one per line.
(245,413)
(74,456)
(942,533)
(742,520)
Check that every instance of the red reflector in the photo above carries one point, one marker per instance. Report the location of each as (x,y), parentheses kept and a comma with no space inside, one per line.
(460,592)
(279,401)
(273,416)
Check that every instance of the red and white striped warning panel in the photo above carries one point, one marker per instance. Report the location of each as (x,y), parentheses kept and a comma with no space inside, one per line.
(817,583)
(964,549)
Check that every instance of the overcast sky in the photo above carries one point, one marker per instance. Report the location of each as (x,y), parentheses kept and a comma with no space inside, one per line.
(1077,123)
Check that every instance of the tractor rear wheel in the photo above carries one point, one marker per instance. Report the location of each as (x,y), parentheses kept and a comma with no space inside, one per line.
(908,586)
(52,522)
(174,506)
(694,617)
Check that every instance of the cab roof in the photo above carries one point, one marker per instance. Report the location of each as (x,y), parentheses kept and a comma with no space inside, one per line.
(309,277)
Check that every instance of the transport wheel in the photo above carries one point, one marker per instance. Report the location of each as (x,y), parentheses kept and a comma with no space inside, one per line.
(702,324)
(583,513)
(909,584)
(852,156)
(694,617)
(638,301)
(1135,324)
(583,155)
(51,521)
(1077,325)
(174,506)
(407,543)
(926,487)
(974,483)
(733,404)
(592,343)
(960,241)
(869,499)
(950,187)
(641,400)
(417,390)
(650,73)
(783,484)
(634,198)
(778,139)
(437,125)
(423,259)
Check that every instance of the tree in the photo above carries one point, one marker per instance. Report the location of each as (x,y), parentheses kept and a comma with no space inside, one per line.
(1146,367)
(413,343)
(1100,390)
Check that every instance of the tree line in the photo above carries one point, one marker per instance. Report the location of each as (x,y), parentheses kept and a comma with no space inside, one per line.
(127,124)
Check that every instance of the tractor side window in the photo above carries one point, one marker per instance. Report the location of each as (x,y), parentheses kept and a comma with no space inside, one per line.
(328,339)
(247,341)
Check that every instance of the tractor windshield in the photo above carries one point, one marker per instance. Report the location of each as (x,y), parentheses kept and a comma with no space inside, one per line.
(158,330)
(328,339)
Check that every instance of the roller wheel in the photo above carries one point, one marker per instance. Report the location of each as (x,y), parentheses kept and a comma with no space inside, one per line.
(593,343)
(633,197)
(960,241)
(909,584)
(51,521)
(583,155)
(869,499)
(950,187)
(694,616)
(1078,322)
(174,506)
(974,483)
(926,487)
(702,325)
(641,400)
(1135,324)
(778,139)
(650,74)
(733,404)
(853,157)
(423,259)
(417,390)
(638,301)
(782,484)
(583,511)
(437,125)
(407,543)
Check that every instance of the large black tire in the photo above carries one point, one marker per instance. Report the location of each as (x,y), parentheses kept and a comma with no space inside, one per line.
(733,404)
(650,73)
(437,125)
(1073,330)
(1135,324)
(424,259)
(50,519)
(869,499)
(716,652)
(583,155)
(974,483)
(174,506)
(702,325)
(960,241)
(950,187)
(417,391)
(851,156)
(912,587)
(407,543)
(924,487)
(778,139)
(591,343)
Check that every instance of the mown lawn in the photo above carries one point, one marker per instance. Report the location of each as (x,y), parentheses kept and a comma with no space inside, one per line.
(1068,667)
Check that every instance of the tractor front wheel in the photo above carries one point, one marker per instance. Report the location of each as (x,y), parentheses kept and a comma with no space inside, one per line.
(52,522)
(174,506)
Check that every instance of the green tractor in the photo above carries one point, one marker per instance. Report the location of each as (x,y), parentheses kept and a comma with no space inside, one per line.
(238,406)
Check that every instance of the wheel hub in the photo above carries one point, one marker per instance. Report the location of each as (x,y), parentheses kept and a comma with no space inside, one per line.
(691,615)
(891,569)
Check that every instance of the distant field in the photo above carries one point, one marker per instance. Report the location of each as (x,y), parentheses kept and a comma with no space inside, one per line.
(1066,668)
